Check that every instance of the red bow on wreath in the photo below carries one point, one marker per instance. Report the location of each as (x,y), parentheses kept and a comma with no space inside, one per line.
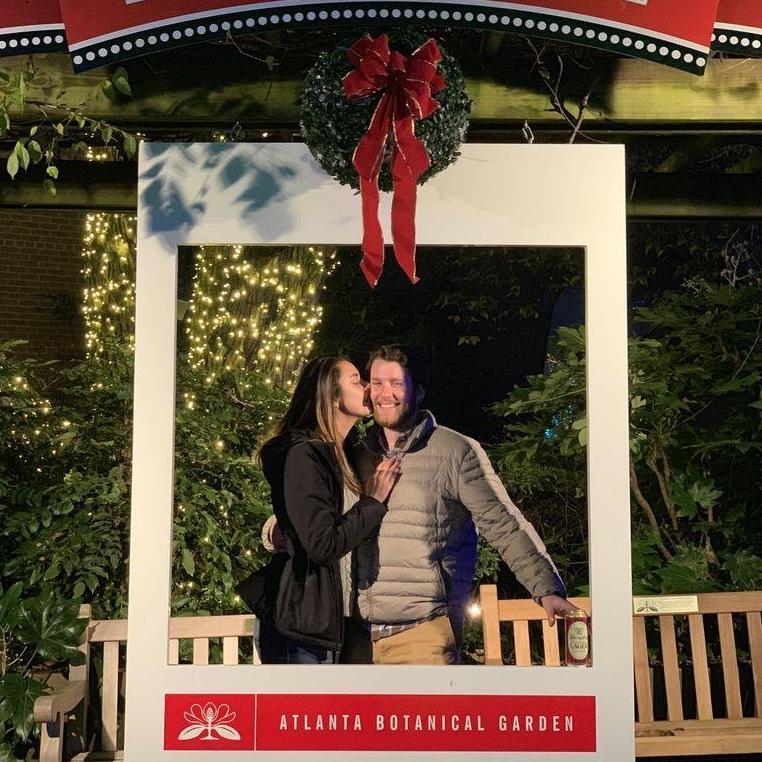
(407,83)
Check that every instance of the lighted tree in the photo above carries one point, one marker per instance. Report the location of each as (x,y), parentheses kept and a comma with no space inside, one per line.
(258,312)
(109,271)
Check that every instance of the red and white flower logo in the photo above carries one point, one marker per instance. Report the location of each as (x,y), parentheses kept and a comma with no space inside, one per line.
(209,719)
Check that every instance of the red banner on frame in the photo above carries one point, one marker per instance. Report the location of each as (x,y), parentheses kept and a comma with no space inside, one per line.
(107,31)
(102,31)
(31,26)
(739,27)
(361,722)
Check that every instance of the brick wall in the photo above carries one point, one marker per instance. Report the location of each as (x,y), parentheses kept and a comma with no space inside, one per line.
(40,281)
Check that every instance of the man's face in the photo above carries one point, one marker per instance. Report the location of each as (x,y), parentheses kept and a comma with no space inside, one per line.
(392,396)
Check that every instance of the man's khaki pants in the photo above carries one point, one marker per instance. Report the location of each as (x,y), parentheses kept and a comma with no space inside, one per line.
(430,642)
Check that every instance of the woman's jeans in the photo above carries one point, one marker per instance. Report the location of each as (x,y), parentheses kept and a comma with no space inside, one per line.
(275,648)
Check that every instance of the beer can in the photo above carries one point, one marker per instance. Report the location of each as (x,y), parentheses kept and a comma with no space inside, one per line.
(577,638)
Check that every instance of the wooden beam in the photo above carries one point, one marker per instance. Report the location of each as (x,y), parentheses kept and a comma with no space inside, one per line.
(81,185)
(113,186)
(633,92)
(694,196)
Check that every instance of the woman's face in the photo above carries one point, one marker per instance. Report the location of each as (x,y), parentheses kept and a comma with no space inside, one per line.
(353,394)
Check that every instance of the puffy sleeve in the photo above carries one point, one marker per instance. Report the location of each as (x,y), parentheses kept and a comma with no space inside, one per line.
(504,526)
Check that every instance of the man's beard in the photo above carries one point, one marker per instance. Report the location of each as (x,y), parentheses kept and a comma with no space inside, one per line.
(394,418)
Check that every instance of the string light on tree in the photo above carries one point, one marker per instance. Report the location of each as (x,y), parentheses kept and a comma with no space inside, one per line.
(109,271)
(249,312)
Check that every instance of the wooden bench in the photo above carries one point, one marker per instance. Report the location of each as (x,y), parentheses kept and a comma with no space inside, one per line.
(722,615)
(108,638)
(534,641)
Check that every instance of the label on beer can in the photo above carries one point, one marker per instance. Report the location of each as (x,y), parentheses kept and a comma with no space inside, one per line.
(577,641)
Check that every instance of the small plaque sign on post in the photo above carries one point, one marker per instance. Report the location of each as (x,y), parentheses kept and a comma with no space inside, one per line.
(665,604)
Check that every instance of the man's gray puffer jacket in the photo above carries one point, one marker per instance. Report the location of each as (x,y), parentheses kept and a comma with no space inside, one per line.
(422,562)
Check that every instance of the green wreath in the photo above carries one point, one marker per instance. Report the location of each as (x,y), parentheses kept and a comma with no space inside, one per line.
(332,126)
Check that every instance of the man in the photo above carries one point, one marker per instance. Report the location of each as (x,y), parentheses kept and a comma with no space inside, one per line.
(415,578)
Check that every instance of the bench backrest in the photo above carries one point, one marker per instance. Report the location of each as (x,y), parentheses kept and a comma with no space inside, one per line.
(111,636)
(725,625)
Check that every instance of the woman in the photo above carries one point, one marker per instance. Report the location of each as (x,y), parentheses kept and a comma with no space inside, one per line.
(305,464)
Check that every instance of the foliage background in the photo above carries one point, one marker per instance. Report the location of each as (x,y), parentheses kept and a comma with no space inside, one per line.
(484,319)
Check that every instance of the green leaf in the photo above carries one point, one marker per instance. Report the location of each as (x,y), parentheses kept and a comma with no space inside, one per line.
(59,128)
(188,563)
(9,606)
(33,131)
(23,155)
(50,187)
(35,151)
(51,572)
(121,81)
(107,132)
(687,572)
(79,590)
(130,144)
(108,89)
(52,626)
(745,569)
(17,697)
(52,171)
(704,494)
(12,165)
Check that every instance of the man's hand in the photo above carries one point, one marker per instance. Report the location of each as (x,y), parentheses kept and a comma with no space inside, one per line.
(273,538)
(555,605)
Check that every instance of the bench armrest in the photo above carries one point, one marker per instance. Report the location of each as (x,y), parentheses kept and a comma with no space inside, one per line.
(63,700)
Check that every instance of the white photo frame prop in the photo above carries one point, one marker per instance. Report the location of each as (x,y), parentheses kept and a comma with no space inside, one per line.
(495,195)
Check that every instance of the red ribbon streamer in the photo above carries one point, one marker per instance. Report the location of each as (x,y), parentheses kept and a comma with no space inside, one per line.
(408,84)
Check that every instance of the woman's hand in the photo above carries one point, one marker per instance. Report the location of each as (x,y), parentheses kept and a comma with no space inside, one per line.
(384,478)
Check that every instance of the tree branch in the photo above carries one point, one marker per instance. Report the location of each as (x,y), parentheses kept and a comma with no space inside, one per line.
(553,88)
(666,493)
(650,515)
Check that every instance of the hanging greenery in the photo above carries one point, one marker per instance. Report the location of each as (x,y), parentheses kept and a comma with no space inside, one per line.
(332,126)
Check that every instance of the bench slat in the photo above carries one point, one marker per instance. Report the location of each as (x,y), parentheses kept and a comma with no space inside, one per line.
(521,643)
(200,651)
(689,745)
(104,630)
(525,608)
(730,667)
(230,650)
(110,695)
(490,624)
(232,625)
(550,644)
(238,625)
(173,656)
(754,624)
(719,603)
(671,668)
(700,667)
(642,671)
(747,724)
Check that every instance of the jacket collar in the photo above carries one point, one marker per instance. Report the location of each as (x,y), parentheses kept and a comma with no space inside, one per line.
(418,432)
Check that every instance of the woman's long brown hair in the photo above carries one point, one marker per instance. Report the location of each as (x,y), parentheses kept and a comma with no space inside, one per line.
(312,407)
